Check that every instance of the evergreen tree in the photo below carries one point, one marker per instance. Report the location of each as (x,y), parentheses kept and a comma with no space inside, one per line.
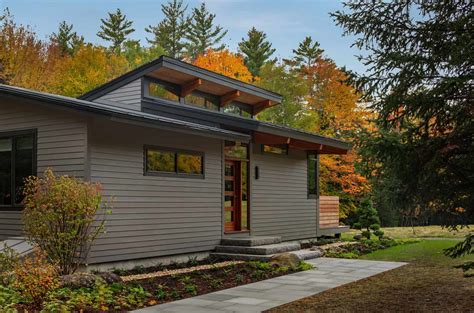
(171,31)
(67,40)
(419,76)
(203,34)
(307,53)
(115,29)
(256,49)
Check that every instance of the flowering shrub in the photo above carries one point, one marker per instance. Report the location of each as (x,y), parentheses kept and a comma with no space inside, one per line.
(59,215)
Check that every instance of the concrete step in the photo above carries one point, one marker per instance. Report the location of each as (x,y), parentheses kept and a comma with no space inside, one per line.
(260,250)
(240,257)
(250,241)
(303,254)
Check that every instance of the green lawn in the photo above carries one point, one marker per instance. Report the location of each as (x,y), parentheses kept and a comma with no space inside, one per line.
(417,232)
(429,283)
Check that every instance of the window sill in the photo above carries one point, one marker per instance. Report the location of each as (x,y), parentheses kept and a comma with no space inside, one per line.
(228,232)
(11,208)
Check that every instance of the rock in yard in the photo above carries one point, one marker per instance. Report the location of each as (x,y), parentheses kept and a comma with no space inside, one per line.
(286,259)
(80,280)
(357,237)
(109,277)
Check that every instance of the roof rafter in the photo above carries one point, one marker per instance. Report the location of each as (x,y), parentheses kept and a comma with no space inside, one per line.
(228,97)
(190,86)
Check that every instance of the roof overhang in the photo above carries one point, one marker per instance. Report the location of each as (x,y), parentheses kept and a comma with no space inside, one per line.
(189,78)
(120,114)
(310,142)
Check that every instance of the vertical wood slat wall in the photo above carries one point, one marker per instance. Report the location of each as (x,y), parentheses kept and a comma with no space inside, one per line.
(328,211)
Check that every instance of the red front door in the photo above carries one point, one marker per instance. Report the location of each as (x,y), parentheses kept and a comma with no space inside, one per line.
(232,195)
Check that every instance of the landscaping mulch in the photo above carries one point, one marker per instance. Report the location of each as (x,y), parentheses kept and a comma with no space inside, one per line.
(174,287)
(168,272)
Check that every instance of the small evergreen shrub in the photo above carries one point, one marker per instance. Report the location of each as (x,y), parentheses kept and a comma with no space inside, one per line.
(368,220)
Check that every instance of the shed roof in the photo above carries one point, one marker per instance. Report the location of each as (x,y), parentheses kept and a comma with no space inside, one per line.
(190,77)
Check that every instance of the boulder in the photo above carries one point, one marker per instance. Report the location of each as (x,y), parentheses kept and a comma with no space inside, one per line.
(287,259)
(357,236)
(110,277)
(80,280)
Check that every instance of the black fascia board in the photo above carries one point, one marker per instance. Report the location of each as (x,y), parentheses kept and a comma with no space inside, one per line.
(114,112)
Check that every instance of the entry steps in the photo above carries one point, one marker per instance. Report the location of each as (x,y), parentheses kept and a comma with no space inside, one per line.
(259,249)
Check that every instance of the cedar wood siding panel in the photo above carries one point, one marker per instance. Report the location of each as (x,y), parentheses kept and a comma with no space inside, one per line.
(127,97)
(280,205)
(154,216)
(61,145)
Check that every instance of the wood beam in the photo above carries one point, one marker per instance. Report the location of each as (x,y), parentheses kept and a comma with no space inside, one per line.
(228,97)
(188,87)
(261,106)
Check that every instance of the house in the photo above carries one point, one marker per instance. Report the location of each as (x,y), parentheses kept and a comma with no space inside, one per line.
(179,150)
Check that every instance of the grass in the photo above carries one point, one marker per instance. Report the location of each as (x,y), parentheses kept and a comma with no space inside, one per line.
(429,283)
(417,232)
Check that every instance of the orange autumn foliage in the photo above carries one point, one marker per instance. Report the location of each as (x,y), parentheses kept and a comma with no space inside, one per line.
(226,63)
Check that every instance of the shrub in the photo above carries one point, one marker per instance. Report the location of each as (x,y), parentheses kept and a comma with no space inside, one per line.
(59,215)
(8,259)
(34,277)
(368,219)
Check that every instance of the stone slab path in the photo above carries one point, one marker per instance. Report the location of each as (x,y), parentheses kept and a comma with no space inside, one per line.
(263,295)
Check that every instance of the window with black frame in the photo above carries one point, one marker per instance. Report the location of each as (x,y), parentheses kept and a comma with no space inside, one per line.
(312,175)
(163,161)
(17,162)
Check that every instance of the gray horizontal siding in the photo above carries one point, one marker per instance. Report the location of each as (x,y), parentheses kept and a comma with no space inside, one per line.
(280,206)
(127,97)
(61,145)
(152,215)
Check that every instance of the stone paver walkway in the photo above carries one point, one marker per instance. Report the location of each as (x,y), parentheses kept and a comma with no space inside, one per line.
(263,295)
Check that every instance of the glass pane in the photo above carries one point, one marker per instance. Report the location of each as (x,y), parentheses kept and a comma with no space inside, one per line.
(231,108)
(277,149)
(312,174)
(200,101)
(189,164)
(160,161)
(23,164)
(229,170)
(244,205)
(229,201)
(5,171)
(229,216)
(229,185)
(235,150)
(160,91)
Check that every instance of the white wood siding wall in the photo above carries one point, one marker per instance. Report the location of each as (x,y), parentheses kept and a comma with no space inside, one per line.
(152,215)
(128,96)
(61,145)
(280,206)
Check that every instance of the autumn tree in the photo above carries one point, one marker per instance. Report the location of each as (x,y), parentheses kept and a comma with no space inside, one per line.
(90,67)
(25,61)
(67,40)
(203,34)
(256,50)
(115,29)
(171,32)
(226,63)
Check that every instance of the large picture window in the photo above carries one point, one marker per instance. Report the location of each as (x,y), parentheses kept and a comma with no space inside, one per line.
(17,162)
(170,162)
(312,175)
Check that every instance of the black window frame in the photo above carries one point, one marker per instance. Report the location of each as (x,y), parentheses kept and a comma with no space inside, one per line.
(312,195)
(176,152)
(12,135)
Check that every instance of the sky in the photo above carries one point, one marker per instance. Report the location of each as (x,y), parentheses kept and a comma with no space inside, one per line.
(286,22)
